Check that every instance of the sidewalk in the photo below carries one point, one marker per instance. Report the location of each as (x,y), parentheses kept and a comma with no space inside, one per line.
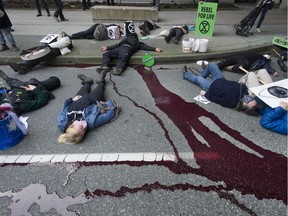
(29,30)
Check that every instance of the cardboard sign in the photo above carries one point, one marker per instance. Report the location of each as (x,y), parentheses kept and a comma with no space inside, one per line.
(267,96)
(205,20)
(280,42)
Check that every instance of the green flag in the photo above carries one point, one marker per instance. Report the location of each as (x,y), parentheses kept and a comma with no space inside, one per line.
(205,20)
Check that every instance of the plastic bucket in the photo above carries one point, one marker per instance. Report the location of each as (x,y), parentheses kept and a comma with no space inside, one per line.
(186,45)
(203,45)
(10,134)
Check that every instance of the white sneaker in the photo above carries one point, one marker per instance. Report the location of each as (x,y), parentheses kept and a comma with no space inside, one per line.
(257,30)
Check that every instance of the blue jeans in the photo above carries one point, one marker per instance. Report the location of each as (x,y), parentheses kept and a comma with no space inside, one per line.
(8,35)
(202,81)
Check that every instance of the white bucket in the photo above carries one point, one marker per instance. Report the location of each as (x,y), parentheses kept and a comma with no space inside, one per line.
(186,45)
(203,45)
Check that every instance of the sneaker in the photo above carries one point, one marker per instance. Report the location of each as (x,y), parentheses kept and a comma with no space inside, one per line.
(257,30)
(14,47)
(184,70)
(85,79)
(3,47)
(56,18)
(167,39)
(101,77)
(117,71)
(104,68)
(38,15)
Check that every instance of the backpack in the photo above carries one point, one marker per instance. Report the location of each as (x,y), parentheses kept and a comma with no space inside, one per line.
(101,32)
(113,32)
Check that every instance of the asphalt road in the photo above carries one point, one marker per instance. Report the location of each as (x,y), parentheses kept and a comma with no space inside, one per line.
(199,159)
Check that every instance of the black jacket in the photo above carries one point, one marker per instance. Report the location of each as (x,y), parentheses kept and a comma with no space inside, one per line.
(133,42)
(226,93)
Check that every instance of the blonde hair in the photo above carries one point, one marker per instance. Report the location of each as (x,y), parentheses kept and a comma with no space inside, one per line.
(70,136)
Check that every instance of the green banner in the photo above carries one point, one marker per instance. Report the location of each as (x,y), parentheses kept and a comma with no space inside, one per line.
(205,20)
(280,42)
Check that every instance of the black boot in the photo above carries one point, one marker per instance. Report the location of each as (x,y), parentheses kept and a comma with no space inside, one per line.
(85,79)
(101,77)
(167,38)
(3,75)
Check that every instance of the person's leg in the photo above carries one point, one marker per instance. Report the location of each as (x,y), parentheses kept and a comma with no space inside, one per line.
(198,80)
(213,70)
(251,80)
(12,82)
(86,33)
(51,83)
(89,3)
(125,53)
(178,35)
(84,90)
(45,4)
(109,56)
(97,94)
(84,4)
(263,76)
(58,8)
(263,14)
(9,36)
(38,7)
(3,45)
(171,34)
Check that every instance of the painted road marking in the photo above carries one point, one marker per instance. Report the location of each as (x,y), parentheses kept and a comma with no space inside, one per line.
(101,157)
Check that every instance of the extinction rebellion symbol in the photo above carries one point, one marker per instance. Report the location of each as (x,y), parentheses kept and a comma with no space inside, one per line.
(204,27)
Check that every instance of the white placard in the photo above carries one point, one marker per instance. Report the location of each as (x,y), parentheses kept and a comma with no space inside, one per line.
(263,93)
(48,38)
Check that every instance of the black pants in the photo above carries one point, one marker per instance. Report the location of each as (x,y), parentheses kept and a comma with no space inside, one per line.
(236,61)
(123,53)
(110,2)
(97,94)
(29,65)
(175,32)
(87,34)
(59,9)
(49,84)
(38,7)
(86,4)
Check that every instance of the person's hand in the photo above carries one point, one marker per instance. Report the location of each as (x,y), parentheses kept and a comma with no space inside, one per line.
(202,92)
(77,97)
(103,48)
(29,87)
(275,74)
(284,105)
(158,49)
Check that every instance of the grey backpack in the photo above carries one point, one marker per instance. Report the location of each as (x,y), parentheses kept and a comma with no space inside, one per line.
(101,32)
